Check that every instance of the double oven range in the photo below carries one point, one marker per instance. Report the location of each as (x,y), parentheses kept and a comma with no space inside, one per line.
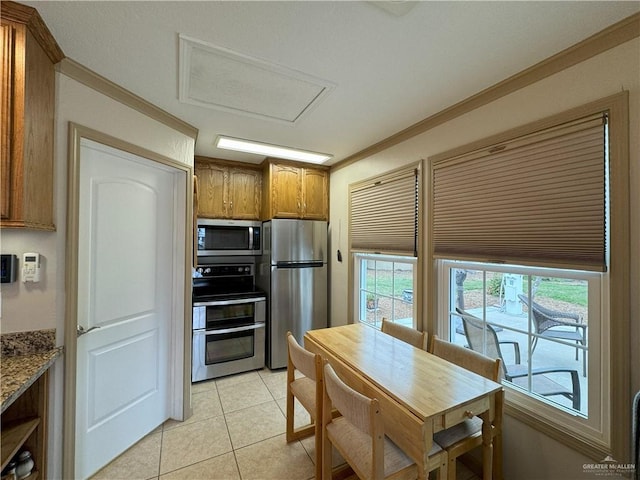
(228,318)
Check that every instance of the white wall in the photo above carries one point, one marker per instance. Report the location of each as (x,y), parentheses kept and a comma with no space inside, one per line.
(598,77)
(43,305)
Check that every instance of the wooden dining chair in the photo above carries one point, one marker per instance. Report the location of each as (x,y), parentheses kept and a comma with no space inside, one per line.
(307,388)
(466,436)
(359,437)
(407,334)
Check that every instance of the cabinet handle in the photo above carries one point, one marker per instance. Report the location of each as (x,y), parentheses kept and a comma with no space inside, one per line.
(231,205)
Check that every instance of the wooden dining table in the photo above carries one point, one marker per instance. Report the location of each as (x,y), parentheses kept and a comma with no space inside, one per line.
(419,393)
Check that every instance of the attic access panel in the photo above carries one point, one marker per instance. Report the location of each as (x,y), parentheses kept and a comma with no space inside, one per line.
(218,78)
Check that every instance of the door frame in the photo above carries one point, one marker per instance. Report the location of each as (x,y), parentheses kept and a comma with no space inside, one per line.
(180,328)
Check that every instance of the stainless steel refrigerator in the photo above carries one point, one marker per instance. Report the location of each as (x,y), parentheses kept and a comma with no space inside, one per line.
(293,272)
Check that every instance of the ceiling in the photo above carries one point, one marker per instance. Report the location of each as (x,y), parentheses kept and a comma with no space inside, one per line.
(375,67)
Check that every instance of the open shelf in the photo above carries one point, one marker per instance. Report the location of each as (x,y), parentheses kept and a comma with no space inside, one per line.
(13,437)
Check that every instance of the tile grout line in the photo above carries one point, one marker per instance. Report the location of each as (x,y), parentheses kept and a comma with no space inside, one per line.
(160,456)
(226,424)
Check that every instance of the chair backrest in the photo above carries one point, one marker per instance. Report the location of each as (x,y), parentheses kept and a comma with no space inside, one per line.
(466,358)
(302,359)
(359,433)
(407,334)
(544,318)
(478,334)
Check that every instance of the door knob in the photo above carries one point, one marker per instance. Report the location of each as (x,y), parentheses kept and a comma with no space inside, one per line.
(81,331)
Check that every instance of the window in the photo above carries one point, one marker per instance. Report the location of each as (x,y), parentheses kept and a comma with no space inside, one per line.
(527,226)
(541,323)
(384,288)
(384,240)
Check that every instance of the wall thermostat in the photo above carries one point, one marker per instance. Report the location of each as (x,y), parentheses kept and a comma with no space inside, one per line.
(9,268)
(31,267)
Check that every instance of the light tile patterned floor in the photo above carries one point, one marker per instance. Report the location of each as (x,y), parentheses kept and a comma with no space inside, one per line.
(237,432)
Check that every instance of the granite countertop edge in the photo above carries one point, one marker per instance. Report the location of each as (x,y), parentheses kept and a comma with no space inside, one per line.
(19,372)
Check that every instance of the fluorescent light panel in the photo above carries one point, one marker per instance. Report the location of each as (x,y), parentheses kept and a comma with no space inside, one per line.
(259,148)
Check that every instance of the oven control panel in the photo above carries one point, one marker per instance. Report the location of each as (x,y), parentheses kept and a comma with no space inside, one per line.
(227,270)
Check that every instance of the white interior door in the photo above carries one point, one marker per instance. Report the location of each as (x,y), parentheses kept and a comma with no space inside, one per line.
(125,272)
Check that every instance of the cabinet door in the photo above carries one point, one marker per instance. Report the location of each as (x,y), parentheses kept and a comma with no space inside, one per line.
(28,112)
(245,194)
(286,191)
(7,75)
(315,194)
(212,195)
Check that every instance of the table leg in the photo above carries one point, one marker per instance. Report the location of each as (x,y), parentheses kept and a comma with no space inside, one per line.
(497,434)
(487,446)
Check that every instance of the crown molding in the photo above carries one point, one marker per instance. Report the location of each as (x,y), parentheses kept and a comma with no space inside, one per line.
(91,79)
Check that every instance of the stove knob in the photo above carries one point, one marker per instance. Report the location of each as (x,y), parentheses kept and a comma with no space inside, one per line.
(207,270)
(247,269)
(240,269)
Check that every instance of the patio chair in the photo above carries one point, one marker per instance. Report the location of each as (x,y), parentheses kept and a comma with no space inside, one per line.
(545,320)
(477,331)
(359,437)
(407,334)
(466,436)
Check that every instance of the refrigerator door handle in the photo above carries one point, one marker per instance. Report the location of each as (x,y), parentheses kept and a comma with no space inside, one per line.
(316,263)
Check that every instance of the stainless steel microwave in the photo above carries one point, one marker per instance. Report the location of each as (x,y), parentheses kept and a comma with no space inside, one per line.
(229,237)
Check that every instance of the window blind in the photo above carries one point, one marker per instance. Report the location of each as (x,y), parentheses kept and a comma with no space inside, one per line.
(383,214)
(539,199)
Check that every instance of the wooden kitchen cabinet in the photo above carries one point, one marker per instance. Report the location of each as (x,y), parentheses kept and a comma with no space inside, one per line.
(29,53)
(295,191)
(228,189)
(315,194)
(24,426)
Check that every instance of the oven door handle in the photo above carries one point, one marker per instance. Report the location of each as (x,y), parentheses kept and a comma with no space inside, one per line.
(229,302)
(255,326)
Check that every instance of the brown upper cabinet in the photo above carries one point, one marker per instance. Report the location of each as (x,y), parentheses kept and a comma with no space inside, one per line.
(29,53)
(295,191)
(228,189)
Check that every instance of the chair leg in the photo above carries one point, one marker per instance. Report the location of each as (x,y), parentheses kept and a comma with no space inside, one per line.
(319,445)
(443,471)
(451,470)
(327,452)
(290,417)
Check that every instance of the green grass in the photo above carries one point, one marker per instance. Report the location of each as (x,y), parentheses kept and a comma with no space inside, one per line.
(570,291)
(383,283)
(565,290)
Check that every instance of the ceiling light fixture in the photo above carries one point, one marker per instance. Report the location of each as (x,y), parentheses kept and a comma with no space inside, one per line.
(259,148)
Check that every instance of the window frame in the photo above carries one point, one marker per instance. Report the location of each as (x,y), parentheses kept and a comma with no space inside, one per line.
(616,286)
(419,272)
(595,427)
